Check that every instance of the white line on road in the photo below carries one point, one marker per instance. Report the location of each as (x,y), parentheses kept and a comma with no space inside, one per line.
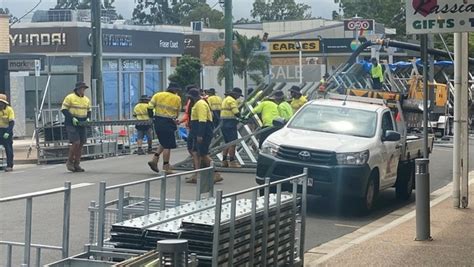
(51,167)
(346,225)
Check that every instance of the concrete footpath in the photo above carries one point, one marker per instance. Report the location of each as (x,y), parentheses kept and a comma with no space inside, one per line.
(393,244)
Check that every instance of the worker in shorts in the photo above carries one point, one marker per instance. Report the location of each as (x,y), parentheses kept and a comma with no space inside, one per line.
(202,131)
(297,98)
(76,108)
(164,107)
(215,102)
(229,115)
(7,121)
(140,112)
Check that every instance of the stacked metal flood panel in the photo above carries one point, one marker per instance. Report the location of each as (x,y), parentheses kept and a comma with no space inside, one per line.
(197,228)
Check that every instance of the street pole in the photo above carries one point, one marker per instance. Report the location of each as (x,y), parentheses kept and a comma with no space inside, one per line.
(228,61)
(300,55)
(422,175)
(464,171)
(457,118)
(96,6)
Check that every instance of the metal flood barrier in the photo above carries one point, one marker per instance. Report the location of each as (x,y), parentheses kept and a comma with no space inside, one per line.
(228,230)
(146,204)
(27,244)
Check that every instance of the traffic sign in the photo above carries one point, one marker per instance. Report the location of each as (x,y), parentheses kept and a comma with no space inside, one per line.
(37,68)
(439,16)
(358,24)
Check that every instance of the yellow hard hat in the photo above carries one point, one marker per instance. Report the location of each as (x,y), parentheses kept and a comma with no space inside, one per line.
(3,98)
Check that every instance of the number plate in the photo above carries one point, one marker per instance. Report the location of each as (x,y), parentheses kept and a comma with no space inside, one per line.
(310,181)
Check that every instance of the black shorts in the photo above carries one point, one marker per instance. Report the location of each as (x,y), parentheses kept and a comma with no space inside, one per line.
(229,134)
(165,129)
(190,141)
(202,148)
(75,134)
(143,130)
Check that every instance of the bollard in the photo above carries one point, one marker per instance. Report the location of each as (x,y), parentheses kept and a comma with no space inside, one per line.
(173,252)
(422,200)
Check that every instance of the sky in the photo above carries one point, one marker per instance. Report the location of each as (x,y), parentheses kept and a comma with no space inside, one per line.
(242,8)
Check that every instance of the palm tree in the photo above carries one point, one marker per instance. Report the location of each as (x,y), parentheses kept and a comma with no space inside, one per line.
(248,62)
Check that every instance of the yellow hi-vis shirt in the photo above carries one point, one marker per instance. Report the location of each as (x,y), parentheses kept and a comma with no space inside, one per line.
(6,116)
(376,72)
(140,111)
(298,103)
(165,104)
(285,110)
(78,106)
(215,102)
(229,108)
(201,112)
(269,111)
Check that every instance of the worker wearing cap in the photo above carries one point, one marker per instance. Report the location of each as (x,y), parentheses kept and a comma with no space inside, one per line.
(284,108)
(164,107)
(7,121)
(215,102)
(297,98)
(76,108)
(229,115)
(376,73)
(268,110)
(140,112)
(202,131)
(186,118)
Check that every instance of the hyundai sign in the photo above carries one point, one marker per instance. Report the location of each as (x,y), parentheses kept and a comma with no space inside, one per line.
(439,16)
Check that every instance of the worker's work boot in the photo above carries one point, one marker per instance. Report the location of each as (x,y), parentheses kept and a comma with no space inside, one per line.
(218,177)
(77,167)
(234,164)
(192,179)
(140,151)
(167,169)
(70,166)
(225,164)
(153,163)
(8,169)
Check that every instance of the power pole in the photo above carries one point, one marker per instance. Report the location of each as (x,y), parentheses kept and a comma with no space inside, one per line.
(228,61)
(96,6)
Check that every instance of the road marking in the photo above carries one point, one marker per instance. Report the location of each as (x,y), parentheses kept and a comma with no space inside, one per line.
(15,172)
(51,167)
(346,225)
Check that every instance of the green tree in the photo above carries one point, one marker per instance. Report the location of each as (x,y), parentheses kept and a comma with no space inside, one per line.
(154,12)
(390,13)
(197,10)
(248,63)
(277,10)
(245,21)
(187,71)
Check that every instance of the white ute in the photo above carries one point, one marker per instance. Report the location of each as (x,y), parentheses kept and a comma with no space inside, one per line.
(352,147)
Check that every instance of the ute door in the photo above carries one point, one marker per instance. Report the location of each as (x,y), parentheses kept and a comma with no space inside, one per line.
(390,151)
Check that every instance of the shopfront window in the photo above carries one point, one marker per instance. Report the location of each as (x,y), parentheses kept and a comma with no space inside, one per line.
(111,89)
(153,72)
(131,86)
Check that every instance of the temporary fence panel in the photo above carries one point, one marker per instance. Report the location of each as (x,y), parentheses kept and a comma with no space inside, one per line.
(27,244)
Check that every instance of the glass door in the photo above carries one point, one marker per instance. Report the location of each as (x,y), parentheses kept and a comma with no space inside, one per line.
(131,84)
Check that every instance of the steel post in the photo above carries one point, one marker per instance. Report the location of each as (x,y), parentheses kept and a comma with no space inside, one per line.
(233,204)
(147,198)
(457,119)
(229,34)
(92,218)
(303,215)
(253,218)
(265,221)
(120,204)
(177,196)
(163,193)
(422,200)
(277,226)
(38,257)
(27,248)
(101,219)
(293,222)
(424,55)
(9,255)
(464,168)
(66,219)
(212,173)
(217,224)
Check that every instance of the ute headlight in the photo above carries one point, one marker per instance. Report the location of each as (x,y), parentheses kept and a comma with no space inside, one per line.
(269,148)
(357,158)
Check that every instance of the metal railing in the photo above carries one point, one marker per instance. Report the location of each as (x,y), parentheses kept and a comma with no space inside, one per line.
(218,225)
(205,184)
(27,245)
